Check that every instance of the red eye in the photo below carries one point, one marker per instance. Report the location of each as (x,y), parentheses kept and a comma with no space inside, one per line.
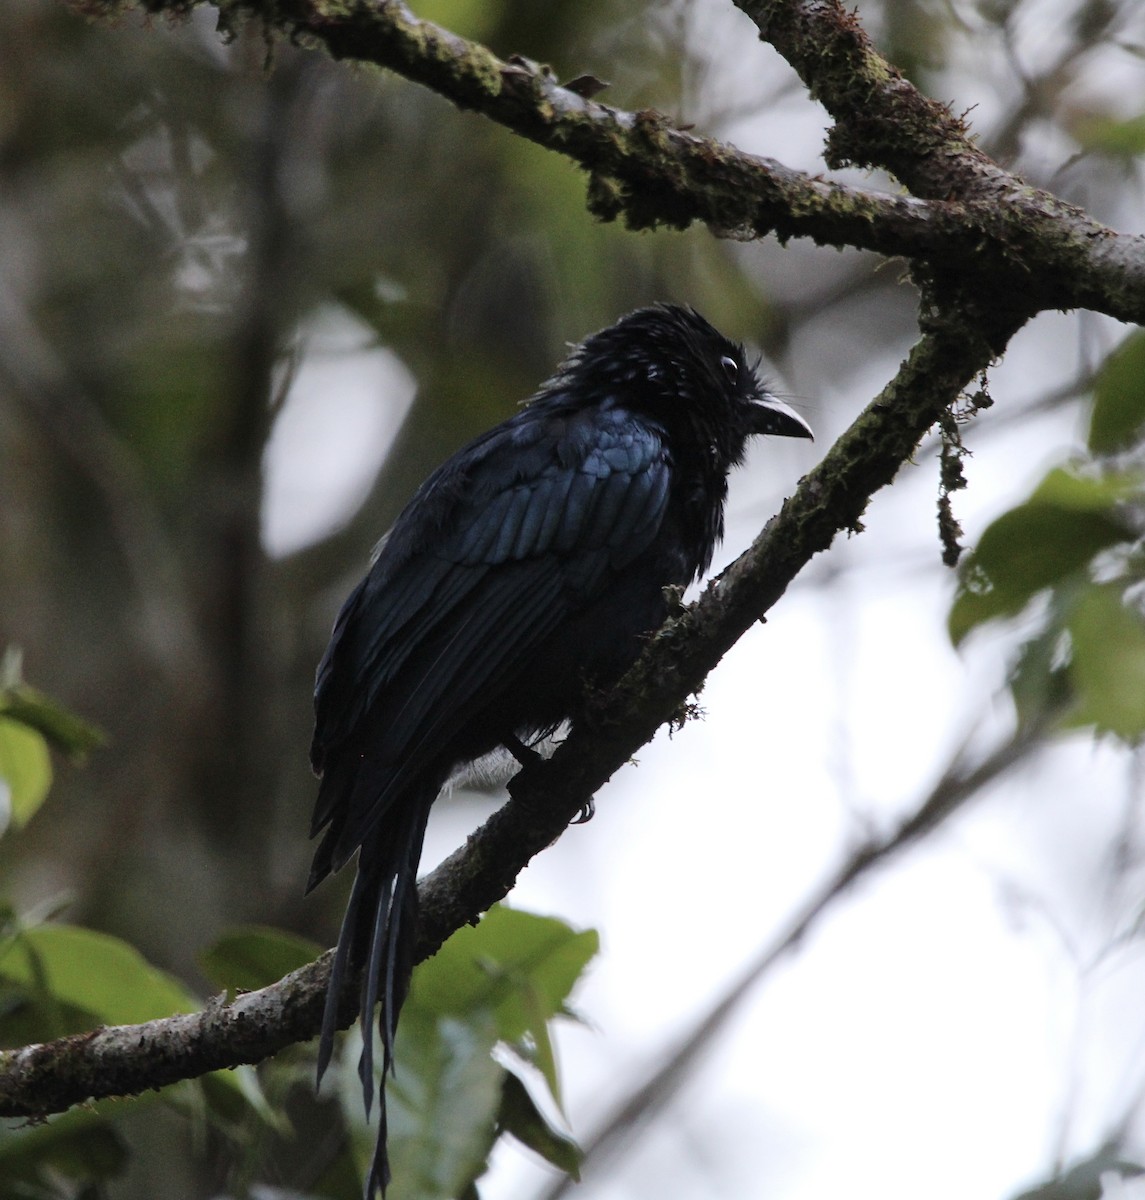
(731,368)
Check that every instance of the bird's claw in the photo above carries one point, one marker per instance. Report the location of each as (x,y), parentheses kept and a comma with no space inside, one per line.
(587,812)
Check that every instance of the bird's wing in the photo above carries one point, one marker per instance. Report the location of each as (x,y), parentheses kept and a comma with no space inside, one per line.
(480,569)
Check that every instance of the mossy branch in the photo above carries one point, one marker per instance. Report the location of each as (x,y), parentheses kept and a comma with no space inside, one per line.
(968,217)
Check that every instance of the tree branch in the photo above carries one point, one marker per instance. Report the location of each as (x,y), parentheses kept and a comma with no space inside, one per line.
(972,215)
(881,118)
(958,785)
(1030,239)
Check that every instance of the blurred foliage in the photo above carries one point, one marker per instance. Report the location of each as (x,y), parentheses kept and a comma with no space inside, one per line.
(29,724)
(74,978)
(58,979)
(1095,1178)
(250,957)
(498,984)
(1071,558)
(1120,139)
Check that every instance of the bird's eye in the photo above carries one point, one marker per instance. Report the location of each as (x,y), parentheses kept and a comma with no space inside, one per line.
(730,367)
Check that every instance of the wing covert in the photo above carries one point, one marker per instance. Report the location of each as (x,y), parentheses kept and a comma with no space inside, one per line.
(448,612)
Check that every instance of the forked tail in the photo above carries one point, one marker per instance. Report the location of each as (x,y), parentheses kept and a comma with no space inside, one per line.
(378,936)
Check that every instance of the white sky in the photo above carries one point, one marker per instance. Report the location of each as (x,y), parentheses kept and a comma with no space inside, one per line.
(345,405)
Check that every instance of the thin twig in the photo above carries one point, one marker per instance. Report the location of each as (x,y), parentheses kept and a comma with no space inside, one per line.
(957,787)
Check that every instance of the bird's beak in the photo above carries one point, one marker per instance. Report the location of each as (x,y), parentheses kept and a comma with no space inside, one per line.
(771,416)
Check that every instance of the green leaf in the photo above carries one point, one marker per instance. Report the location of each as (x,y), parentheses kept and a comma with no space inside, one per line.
(250,957)
(442,1104)
(1108,663)
(476,19)
(499,982)
(25,771)
(1034,546)
(521,1117)
(77,978)
(535,1045)
(1040,680)
(1119,398)
(93,972)
(69,734)
(519,965)
(1081,490)
(232,1094)
(1122,139)
(80,1145)
(18,702)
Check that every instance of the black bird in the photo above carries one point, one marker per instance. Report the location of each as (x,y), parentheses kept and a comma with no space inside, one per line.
(521,575)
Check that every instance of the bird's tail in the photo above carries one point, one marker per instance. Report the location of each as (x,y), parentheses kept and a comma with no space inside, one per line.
(378,936)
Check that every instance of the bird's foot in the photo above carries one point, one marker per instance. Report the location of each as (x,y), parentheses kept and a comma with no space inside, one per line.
(525,755)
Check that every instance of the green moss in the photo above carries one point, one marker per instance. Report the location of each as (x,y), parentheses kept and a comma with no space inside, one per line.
(605,197)
(470,64)
(334,10)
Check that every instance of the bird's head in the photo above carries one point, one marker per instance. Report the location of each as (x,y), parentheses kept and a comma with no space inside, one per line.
(673,366)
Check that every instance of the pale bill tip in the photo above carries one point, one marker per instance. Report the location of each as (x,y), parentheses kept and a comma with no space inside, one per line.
(777,419)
